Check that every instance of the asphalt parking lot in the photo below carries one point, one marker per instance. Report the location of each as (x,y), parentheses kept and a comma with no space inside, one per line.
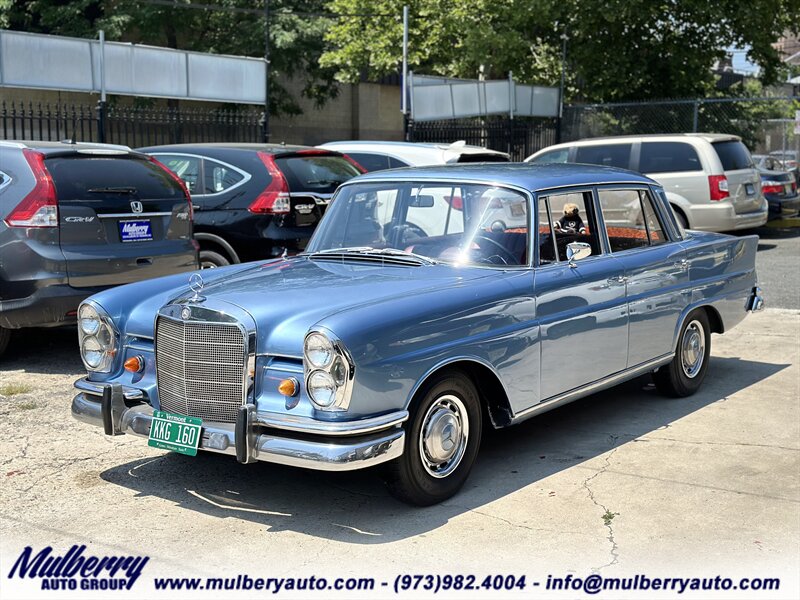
(622,482)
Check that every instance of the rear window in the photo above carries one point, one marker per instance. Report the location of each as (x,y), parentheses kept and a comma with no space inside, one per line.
(81,178)
(733,155)
(612,155)
(315,173)
(668,157)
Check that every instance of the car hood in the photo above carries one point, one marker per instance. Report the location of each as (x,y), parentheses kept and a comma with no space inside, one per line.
(286,298)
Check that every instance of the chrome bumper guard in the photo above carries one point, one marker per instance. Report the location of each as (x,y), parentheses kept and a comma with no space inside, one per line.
(756,301)
(356,448)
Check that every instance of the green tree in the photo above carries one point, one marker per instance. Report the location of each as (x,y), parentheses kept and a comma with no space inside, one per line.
(616,49)
(297,40)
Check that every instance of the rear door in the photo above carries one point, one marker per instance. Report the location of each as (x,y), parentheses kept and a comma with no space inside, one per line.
(313,176)
(122,218)
(744,182)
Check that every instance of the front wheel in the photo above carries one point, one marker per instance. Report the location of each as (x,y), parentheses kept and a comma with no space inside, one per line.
(442,440)
(684,375)
(211,260)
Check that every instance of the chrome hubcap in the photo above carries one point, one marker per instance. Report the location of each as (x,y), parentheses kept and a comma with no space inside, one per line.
(693,349)
(443,437)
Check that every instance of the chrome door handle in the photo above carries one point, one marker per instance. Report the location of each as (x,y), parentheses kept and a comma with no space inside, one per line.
(617,280)
(683,265)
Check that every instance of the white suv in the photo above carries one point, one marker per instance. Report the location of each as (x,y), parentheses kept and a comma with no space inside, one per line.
(710,179)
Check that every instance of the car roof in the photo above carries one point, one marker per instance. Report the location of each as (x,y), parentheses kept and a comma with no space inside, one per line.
(60,147)
(271,148)
(524,175)
(664,137)
(420,153)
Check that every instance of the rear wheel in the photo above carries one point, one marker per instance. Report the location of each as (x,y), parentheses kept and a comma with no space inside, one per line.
(442,440)
(684,375)
(5,337)
(211,260)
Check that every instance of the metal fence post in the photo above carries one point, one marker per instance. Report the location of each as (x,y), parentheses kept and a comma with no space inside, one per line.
(101,121)
(695,115)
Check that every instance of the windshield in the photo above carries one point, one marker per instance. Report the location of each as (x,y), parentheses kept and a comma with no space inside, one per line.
(464,224)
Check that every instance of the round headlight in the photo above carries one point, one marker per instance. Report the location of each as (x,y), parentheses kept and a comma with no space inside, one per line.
(93,352)
(319,350)
(89,320)
(322,388)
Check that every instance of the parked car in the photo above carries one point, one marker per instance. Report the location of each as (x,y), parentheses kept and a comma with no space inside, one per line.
(78,218)
(255,201)
(789,161)
(378,156)
(381,344)
(710,179)
(780,189)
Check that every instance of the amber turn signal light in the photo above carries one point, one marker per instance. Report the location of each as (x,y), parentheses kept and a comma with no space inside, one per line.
(134,364)
(288,387)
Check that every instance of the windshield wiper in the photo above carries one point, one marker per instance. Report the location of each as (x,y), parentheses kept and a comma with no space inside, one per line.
(325,181)
(379,252)
(112,190)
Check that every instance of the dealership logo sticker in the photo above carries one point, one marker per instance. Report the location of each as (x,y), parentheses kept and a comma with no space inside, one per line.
(135,231)
(76,570)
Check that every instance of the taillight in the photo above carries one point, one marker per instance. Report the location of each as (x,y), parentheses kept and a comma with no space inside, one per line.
(771,187)
(274,199)
(354,163)
(718,185)
(177,180)
(456,202)
(39,208)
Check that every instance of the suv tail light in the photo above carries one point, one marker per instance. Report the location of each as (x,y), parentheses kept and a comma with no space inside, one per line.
(718,185)
(274,200)
(177,180)
(39,208)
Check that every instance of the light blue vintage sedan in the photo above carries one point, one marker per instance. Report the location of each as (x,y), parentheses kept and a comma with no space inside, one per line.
(429,304)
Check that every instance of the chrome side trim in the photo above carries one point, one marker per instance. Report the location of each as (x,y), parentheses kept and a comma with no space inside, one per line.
(345,454)
(96,389)
(591,388)
(306,425)
(133,215)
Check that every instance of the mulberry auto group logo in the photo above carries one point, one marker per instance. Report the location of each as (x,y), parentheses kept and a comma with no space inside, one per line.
(77,570)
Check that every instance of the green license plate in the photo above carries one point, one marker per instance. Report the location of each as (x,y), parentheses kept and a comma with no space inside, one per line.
(175,432)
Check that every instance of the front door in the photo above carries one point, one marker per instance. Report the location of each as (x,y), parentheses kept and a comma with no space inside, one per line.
(581,308)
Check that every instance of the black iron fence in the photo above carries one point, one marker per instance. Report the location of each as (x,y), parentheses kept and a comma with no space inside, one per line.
(131,126)
(520,137)
(765,124)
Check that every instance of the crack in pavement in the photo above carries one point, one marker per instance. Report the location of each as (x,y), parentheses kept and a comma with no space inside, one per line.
(607,522)
(707,443)
(512,524)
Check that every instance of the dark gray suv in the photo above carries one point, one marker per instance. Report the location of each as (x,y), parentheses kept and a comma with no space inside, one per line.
(78,218)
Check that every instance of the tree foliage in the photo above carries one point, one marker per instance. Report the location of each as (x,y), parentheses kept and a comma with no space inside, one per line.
(616,49)
(297,40)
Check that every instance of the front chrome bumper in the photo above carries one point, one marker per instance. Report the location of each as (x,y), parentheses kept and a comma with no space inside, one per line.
(250,440)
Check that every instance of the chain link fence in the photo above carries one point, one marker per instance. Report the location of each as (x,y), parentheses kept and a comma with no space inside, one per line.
(765,124)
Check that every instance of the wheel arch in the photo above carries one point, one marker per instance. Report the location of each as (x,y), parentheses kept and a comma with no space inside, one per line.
(491,391)
(211,241)
(714,319)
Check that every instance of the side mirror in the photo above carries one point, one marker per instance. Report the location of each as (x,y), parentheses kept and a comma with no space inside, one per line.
(424,201)
(577,251)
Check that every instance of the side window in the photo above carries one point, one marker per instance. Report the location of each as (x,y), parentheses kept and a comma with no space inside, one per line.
(631,220)
(4,180)
(185,167)
(433,211)
(371,162)
(554,156)
(219,177)
(547,246)
(609,155)
(396,163)
(572,220)
(668,157)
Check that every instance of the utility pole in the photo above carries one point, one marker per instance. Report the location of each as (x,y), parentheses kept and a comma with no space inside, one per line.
(266,72)
(561,87)
(404,86)
(101,105)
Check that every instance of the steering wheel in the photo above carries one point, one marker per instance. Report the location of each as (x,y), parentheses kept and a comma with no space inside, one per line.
(407,232)
(499,247)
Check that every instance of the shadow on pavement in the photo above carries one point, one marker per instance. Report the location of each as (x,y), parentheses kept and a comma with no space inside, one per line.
(354,507)
(45,350)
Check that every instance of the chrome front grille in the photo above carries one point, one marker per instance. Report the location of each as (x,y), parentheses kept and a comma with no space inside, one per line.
(200,368)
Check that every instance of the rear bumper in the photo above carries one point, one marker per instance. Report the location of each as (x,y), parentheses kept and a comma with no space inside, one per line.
(721,216)
(755,302)
(247,440)
(780,208)
(46,307)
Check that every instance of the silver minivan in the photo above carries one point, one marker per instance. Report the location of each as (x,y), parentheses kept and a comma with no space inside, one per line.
(710,179)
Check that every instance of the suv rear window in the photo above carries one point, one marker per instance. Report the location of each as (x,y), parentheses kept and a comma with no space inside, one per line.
(733,155)
(75,176)
(611,155)
(316,173)
(668,157)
